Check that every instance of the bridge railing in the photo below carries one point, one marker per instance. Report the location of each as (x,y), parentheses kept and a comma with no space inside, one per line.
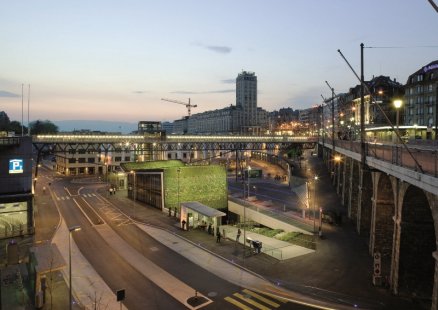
(72,138)
(425,154)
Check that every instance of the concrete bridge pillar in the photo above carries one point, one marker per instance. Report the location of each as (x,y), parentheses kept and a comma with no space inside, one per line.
(414,259)
(338,173)
(344,180)
(364,205)
(382,224)
(353,194)
(433,200)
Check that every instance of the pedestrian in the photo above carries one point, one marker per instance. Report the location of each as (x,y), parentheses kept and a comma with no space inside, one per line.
(218,237)
(223,234)
(44,189)
(209,230)
(238,234)
(184,224)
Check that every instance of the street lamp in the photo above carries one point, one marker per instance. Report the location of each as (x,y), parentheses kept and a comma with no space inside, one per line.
(244,215)
(249,170)
(397,104)
(134,189)
(71,230)
(314,202)
(178,172)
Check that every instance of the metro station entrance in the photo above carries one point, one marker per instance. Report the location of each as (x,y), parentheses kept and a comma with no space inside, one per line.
(197,215)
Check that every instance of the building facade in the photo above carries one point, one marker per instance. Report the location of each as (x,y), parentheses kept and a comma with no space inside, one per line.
(246,102)
(421,99)
(243,118)
(16,190)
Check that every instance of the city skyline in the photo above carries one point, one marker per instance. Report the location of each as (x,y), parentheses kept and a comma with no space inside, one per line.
(106,61)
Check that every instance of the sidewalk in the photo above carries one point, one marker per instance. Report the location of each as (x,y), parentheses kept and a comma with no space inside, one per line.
(340,269)
(85,281)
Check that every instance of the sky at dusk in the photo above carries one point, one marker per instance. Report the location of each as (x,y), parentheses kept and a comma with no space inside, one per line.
(115,60)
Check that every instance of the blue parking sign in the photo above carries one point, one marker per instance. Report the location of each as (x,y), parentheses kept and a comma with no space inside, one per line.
(15,166)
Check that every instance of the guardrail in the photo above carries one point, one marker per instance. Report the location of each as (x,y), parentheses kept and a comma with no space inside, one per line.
(425,154)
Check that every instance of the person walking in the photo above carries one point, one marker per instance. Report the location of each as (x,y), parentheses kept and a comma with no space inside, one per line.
(218,236)
(238,234)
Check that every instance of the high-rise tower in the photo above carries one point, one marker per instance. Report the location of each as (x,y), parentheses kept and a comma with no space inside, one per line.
(246,101)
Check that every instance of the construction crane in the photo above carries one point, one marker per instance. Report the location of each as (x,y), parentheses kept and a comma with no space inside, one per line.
(188,105)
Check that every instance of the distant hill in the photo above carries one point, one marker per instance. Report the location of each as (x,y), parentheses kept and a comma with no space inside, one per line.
(70,125)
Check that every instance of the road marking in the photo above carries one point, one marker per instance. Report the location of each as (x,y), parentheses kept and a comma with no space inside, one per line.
(62,198)
(68,198)
(97,214)
(83,212)
(250,301)
(280,299)
(58,198)
(265,300)
(170,284)
(237,303)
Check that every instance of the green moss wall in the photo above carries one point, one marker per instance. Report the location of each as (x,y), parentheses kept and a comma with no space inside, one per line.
(205,184)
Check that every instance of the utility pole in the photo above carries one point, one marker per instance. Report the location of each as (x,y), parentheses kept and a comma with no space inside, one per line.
(333,116)
(362,109)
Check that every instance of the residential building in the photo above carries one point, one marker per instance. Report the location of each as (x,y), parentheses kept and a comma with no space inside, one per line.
(243,118)
(421,99)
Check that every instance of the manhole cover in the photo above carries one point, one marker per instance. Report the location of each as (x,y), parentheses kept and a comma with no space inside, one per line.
(212,294)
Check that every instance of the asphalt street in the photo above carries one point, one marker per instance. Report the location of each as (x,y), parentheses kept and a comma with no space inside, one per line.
(338,271)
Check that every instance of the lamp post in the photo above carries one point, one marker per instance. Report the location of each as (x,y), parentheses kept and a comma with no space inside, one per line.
(320,222)
(314,202)
(134,189)
(178,172)
(397,104)
(71,230)
(244,214)
(249,169)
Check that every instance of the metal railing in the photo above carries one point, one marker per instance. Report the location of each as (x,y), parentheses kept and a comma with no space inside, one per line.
(425,154)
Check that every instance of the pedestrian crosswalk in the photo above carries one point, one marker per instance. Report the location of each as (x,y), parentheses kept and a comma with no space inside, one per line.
(68,197)
(248,300)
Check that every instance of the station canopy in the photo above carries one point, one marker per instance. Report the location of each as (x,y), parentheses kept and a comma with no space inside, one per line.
(202,209)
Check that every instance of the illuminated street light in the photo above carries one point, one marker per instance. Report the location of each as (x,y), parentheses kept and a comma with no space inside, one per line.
(71,230)
(314,202)
(397,104)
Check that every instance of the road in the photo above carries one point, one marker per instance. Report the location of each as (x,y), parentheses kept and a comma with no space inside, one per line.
(81,204)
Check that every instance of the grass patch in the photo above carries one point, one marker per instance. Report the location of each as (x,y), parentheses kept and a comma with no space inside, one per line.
(293,237)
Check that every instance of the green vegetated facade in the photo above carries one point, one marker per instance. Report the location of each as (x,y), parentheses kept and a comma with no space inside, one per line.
(156,164)
(205,184)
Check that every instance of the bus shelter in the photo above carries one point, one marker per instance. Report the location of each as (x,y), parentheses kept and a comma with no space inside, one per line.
(197,215)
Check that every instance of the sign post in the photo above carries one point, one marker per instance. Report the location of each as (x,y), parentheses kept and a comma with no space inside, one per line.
(377,268)
(120,296)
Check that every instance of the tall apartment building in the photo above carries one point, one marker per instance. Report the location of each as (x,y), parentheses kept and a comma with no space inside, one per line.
(243,118)
(421,98)
(246,102)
